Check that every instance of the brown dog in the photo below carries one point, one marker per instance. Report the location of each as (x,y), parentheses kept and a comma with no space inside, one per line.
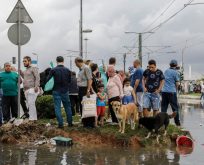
(125,112)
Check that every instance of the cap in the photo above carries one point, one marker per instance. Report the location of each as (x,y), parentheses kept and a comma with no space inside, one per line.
(173,62)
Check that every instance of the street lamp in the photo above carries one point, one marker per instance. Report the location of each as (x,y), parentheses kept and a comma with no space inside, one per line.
(81,31)
(37,57)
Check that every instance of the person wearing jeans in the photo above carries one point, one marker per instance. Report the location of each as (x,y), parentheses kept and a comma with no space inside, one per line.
(169,91)
(62,79)
(31,83)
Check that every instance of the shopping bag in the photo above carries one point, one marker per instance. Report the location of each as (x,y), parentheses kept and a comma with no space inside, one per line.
(89,106)
(50,84)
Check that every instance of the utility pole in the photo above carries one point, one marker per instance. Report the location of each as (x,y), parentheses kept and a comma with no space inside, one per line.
(81,31)
(182,69)
(140,48)
(140,44)
(124,61)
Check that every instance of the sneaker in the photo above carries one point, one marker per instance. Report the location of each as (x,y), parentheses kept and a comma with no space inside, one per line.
(12,120)
(25,116)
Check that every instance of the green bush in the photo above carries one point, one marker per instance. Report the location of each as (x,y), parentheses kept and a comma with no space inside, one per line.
(45,107)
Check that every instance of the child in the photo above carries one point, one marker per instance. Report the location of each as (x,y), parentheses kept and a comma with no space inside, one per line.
(129,93)
(101,105)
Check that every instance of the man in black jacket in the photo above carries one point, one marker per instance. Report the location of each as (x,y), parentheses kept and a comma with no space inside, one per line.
(62,78)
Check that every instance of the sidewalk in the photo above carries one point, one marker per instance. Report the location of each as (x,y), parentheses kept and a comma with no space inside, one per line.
(189,99)
(187,96)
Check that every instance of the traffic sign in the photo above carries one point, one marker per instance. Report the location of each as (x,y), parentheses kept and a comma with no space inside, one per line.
(25,34)
(24,16)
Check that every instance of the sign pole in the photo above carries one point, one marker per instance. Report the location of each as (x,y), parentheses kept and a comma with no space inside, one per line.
(18,16)
(19,58)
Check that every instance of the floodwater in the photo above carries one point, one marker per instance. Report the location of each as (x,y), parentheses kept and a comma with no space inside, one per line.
(192,118)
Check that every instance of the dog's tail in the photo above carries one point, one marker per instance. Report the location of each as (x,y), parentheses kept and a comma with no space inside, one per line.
(173,115)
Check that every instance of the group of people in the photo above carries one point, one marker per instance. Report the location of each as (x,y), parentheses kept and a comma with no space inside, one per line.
(9,91)
(149,89)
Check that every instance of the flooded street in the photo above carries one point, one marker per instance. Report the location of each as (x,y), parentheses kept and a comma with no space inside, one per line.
(192,118)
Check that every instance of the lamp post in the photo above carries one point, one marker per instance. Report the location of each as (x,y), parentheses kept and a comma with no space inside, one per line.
(81,31)
(37,57)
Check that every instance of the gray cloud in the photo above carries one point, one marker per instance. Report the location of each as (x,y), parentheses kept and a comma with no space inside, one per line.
(56,26)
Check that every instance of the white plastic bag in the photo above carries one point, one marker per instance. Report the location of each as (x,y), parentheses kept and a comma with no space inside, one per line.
(89,106)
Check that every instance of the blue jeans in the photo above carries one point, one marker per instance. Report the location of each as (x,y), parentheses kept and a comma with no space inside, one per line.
(151,100)
(64,98)
(171,98)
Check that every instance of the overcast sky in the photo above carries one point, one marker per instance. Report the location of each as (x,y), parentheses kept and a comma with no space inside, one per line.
(56,29)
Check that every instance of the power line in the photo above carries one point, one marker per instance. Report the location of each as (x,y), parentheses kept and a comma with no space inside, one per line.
(162,13)
(167,20)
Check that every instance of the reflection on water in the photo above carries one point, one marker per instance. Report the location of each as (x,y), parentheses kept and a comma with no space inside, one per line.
(192,118)
(96,156)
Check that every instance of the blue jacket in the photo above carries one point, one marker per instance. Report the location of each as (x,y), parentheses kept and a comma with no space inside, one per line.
(62,78)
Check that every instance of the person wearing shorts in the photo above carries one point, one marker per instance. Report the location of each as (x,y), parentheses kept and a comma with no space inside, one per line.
(153,81)
(101,104)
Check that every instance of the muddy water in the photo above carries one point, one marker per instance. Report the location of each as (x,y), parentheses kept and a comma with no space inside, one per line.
(192,118)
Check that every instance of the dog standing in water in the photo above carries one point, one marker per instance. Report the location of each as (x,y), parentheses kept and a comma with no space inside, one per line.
(125,112)
(153,124)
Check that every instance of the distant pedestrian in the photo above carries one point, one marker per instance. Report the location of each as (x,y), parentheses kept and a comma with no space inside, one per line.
(153,80)
(136,83)
(62,79)
(9,84)
(73,94)
(114,90)
(31,84)
(169,91)
(84,80)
